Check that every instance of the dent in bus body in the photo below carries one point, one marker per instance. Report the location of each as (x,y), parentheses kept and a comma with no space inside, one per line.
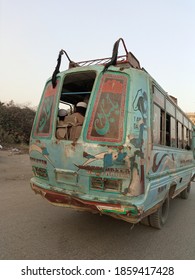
(107,166)
(122,164)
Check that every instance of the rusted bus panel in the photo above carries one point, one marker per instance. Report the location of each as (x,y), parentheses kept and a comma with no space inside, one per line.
(130,214)
(43,125)
(170,172)
(163,161)
(102,165)
(114,167)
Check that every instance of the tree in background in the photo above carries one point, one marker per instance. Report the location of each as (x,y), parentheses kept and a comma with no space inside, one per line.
(15,123)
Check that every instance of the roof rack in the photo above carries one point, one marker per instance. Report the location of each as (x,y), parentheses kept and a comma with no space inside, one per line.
(99,61)
(128,60)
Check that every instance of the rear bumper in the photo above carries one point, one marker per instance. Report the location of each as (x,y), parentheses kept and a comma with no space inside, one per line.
(128,213)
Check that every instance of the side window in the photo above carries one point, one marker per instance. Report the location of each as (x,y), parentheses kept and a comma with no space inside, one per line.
(159,126)
(171,127)
(190,139)
(159,122)
(179,135)
(173,132)
(185,134)
(168,130)
(156,126)
(162,127)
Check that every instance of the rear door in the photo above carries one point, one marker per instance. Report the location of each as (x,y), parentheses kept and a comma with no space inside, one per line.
(106,118)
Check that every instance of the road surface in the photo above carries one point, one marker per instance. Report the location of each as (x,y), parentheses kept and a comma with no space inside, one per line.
(31,228)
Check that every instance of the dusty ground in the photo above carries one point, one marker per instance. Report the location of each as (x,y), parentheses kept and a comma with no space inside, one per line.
(31,228)
(14,165)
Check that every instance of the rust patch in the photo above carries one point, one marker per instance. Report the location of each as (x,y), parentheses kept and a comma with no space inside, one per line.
(68,201)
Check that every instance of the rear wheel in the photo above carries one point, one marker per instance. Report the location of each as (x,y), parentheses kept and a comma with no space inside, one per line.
(145,221)
(159,218)
(185,193)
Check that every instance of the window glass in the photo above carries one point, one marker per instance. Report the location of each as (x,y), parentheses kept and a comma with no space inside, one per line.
(186,138)
(179,116)
(159,97)
(190,139)
(179,135)
(107,118)
(170,108)
(156,126)
(162,127)
(168,130)
(186,122)
(173,132)
(46,111)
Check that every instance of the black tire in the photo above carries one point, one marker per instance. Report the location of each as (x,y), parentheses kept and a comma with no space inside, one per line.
(145,221)
(185,193)
(159,218)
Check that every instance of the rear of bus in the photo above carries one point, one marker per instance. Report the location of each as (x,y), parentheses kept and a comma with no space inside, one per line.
(93,173)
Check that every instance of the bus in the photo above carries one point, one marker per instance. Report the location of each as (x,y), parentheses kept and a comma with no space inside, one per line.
(134,150)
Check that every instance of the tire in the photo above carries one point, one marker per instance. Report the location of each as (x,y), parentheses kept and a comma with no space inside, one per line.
(185,193)
(145,221)
(159,218)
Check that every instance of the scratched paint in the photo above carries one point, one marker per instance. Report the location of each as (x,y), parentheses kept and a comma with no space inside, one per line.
(113,168)
(107,118)
(46,112)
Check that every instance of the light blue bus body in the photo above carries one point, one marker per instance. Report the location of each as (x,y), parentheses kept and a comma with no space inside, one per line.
(129,159)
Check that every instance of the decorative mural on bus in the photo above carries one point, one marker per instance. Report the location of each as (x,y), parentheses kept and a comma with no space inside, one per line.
(121,161)
(107,118)
(137,141)
(110,163)
(162,162)
(41,150)
(45,117)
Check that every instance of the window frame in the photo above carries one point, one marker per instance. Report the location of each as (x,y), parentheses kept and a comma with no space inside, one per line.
(177,121)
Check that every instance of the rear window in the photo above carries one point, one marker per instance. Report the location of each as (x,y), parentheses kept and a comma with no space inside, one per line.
(45,115)
(107,116)
(77,87)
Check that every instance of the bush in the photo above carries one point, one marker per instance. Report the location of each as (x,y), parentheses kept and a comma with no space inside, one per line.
(15,123)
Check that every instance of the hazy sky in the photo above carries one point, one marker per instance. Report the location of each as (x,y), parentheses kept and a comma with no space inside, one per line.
(161,34)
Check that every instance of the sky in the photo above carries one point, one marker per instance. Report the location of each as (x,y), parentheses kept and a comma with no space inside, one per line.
(160,33)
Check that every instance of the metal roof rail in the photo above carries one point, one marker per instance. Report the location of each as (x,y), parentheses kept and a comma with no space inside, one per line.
(127,60)
(114,60)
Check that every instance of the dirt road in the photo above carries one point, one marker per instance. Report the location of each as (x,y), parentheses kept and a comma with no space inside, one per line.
(31,228)
(14,166)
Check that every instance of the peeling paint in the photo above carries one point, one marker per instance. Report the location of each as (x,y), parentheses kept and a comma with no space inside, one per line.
(114,168)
